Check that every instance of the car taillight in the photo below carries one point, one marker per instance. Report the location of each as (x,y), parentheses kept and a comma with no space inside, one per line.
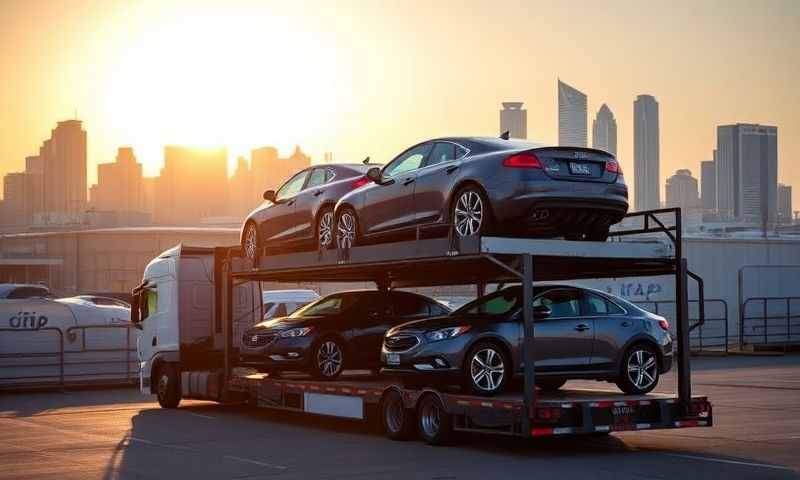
(360,182)
(664,324)
(614,167)
(522,160)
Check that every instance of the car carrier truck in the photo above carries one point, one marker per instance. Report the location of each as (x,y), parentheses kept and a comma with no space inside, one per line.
(194,304)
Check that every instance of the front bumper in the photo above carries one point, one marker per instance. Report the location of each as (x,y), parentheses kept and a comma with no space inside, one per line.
(441,358)
(280,354)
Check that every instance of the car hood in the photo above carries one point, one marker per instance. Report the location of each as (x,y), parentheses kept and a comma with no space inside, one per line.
(428,324)
(285,323)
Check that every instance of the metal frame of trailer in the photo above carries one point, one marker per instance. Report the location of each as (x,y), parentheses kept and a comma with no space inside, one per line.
(449,261)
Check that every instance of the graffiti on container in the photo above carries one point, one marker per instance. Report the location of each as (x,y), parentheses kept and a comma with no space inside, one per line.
(27,320)
(635,289)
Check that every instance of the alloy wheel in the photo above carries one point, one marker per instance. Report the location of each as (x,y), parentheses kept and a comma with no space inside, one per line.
(642,368)
(468,213)
(329,359)
(487,369)
(326,229)
(346,230)
(251,241)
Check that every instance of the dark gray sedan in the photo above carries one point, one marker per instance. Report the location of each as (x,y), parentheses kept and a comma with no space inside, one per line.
(487,185)
(579,334)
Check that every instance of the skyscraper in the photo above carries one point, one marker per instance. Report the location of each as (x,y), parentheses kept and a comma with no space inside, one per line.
(681,190)
(747,172)
(64,166)
(572,130)
(240,188)
(646,153)
(514,120)
(119,184)
(708,185)
(604,131)
(269,171)
(784,203)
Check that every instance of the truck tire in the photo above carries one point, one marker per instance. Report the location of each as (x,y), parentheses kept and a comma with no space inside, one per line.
(435,424)
(168,388)
(398,421)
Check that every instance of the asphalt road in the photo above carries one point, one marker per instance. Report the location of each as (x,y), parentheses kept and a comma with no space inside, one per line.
(117,433)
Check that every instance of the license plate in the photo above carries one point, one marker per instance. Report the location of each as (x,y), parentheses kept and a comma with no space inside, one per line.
(577,168)
(393,358)
(624,415)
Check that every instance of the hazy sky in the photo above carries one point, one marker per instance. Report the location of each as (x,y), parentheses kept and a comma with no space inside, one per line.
(368,78)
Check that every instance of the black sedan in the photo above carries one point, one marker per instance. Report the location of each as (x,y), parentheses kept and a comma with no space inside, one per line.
(579,334)
(487,185)
(342,330)
(300,212)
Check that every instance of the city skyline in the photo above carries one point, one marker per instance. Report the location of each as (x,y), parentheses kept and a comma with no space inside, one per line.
(646,153)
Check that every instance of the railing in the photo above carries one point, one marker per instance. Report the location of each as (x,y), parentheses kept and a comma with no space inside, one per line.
(76,364)
(712,335)
(770,321)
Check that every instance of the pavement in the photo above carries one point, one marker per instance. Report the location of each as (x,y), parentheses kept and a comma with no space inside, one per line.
(119,433)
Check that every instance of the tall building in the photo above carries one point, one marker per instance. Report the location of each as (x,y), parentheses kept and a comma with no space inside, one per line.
(15,199)
(747,172)
(193,185)
(240,188)
(708,185)
(572,114)
(785,203)
(681,190)
(604,131)
(514,120)
(64,166)
(646,153)
(119,184)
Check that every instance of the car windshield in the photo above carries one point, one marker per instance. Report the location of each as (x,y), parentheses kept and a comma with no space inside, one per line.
(328,306)
(498,303)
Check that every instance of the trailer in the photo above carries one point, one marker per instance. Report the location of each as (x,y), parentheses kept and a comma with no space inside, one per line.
(205,366)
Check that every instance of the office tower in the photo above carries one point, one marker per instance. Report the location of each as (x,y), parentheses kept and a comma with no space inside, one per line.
(646,153)
(784,203)
(681,190)
(327,157)
(149,195)
(708,185)
(747,172)
(15,199)
(64,167)
(34,168)
(193,185)
(514,120)
(604,131)
(119,184)
(242,199)
(571,116)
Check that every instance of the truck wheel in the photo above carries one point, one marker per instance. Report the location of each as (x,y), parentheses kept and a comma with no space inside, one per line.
(168,388)
(639,370)
(398,422)
(435,424)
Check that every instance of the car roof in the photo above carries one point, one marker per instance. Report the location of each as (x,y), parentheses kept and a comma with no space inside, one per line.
(7,288)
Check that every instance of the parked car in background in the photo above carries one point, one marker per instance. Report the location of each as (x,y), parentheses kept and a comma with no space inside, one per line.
(300,212)
(580,334)
(280,303)
(487,185)
(15,291)
(342,330)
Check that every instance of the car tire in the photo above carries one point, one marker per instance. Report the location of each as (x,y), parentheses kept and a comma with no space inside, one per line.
(487,369)
(639,372)
(328,359)
(168,387)
(346,229)
(325,226)
(467,203)
(550,384)
(435,424)
(251,244)
(398,421)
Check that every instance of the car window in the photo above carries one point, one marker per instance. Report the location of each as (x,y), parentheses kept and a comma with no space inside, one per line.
(329,174)
(596,305)
(409,305)
(437,309)
(614,309)
(561,302)
(316,178)
(408,161)
(460,151)
(442,152)
(28,292)
(290,188)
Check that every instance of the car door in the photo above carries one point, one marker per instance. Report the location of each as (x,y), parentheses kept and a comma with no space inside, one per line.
(564,339)
(306,201)
(435,180)
(369,322)
(279,222)
(612,328)
(390,205)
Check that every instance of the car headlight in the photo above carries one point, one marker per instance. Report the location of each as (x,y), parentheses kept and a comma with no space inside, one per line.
(445,333)
(296,332)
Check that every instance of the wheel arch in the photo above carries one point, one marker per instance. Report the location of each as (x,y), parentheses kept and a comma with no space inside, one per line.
(499,340)
(639,340)
(460,185)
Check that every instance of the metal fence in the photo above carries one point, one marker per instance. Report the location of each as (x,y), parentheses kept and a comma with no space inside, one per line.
(79,355)
(770,321)
(711,336)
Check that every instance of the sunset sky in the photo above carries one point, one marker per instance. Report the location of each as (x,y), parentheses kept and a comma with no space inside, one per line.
(368,78)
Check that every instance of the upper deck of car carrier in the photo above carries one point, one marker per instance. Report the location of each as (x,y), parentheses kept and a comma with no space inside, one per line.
(426,262)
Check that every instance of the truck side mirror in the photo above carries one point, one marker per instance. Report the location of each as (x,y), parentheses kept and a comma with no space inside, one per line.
(374,174)
(269,195)
(135,311)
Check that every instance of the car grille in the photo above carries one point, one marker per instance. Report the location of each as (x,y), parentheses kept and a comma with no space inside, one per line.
(258,339)
(400,343)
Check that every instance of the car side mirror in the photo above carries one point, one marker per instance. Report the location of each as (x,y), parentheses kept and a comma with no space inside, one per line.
(374,174)
(540,312)
(270,195)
